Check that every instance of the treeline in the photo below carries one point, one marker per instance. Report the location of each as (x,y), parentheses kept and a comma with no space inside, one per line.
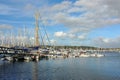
(73,47)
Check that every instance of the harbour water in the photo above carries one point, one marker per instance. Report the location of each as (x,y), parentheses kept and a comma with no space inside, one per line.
(90,68)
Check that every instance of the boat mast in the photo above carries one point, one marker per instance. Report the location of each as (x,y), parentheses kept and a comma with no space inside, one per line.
(37,43)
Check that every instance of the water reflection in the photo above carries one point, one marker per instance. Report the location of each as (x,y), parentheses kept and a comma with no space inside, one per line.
(35,71)
(106,68)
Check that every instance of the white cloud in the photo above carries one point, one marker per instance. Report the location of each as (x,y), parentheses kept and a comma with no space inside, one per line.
(107,42)
(53,41)
(82,36)
(62,6)
(69,35)
(74,10)
(60,34)
(72,36)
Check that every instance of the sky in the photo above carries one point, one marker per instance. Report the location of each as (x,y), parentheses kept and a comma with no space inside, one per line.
(68,22)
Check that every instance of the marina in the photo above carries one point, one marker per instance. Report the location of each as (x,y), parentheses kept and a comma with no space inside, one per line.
(38,53)
(59,40)
(37,48)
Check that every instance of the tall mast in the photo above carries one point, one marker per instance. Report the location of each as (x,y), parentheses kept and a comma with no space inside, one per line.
(37,43)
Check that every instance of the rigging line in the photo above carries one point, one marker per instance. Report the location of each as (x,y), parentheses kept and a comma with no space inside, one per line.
(44,35)
(45,30)
(41,37)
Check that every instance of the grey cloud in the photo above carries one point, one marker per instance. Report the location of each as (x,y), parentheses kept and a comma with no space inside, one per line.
(5,26)
(107,42)
(91,14)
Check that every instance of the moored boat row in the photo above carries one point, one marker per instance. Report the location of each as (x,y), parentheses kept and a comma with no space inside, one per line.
(35,54)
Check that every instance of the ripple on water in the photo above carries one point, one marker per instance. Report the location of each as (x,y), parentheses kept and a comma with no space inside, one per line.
(106,68)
